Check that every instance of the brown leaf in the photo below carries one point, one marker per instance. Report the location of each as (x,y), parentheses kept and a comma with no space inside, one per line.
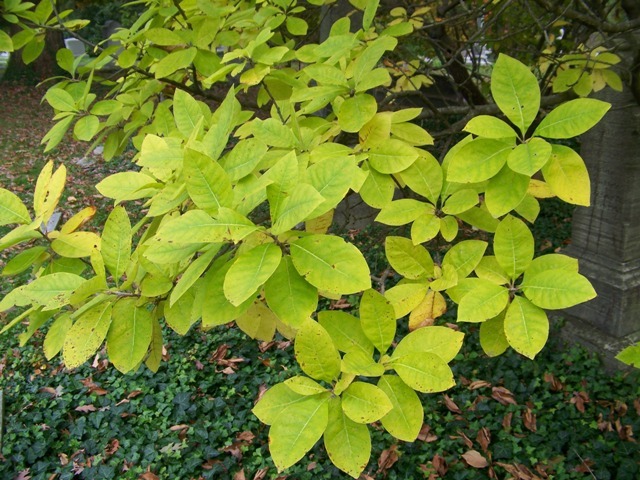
(199,365)
(555,384)
(23,475)
(636,405)
(239,475)
(506,422)
(54,392)
(311,466)
(135,393)
(262,389)
(261,474)
(148,475)
(440,465)
(177,428)
(503,396)
(621,408)
(476,384)
(86,408)
(425,434)
(475,459)
(585,466)
(579,399)
(451,405)
(467,441)
(484,438)
(529,420)
(64,459)
(112,447)
(264,346)
(387,458)
(245,437)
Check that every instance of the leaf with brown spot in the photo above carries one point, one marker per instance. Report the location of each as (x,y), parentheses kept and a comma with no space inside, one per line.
(474,459)
(424,315)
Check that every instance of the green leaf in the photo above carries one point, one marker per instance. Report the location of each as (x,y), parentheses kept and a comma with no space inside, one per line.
(465,256)
(289,295)
(404,421)
(567,176)
(529,157)
(551,261)
(515,90)
(244,158)
(258,322)
(424,372)
(296,207)
(86,128)
(207,183)
(526,327)
(392,156)
(425,228)
(250,271)
(274,133)
(412,134)
(331,264)
(555,289)
(460,201)
(489,127)
(490,269)
(356,111)
(175,61)
(348,443)
(297,429)
(425,177)
(276,400)
(332,178)
(485,301)
(403,211)
(216,309)
(193,272)
(61,100)
(163,36)
(377,317)
(296,26)
(129,334)
(478,160)
(357,362)
(441,341)
(492,338)
(377,189)
(52,291)
(6,44)
(12,210)
(409,260)
(572,118)
(505,191)
(513,246)
(54,340)
(186,110)
(405,297)
(179,315)
(31,257)
(304,385)
(316,353)
(326,74)
(346,332)
(116,242)
(76,244)
(630,356)
(126,186)
(365,403)
(86,335)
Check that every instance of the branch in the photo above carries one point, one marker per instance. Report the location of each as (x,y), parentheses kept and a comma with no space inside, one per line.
(590,21)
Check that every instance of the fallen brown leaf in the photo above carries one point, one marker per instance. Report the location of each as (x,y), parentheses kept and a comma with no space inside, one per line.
(475,459)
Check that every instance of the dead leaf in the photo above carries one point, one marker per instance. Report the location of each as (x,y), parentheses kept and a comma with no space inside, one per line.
(503,396)
(54,392)
(467,441)
(245,437)
(475,459)
(484,438)
(425,434)
(23,475)
(451,405)
(388,458)
(506,422)
(86,408)
(135,393)
(476,384)
(199,365)
(261,474)
(555,384)
(440,464)
(529,420)
(177,428)
(239,475)
(579,399)
(64,459)
(112,447)
(148,475)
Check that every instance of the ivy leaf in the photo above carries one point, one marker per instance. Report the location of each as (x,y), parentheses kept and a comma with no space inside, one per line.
(348,443)
(404,420)
(129,334)
(330,264)
(316,353)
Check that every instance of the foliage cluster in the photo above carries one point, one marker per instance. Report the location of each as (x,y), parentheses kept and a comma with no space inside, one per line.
(209,171)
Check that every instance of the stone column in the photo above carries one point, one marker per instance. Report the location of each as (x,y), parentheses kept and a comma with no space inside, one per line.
(606,236)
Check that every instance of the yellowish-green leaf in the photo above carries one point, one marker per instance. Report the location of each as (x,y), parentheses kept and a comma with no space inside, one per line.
(478,160)
(250,271)
(441,341)
(513,246)
(567,176)
(424,372)
(505,191)
(129,335)
(116,242)
(258,322)
(12,210)
(392,156)
(304,385)
(76,244)
(86,335)
(275,401)
(492,338)
(316,352)
(377,317)
(404,420)
(425,177)
(526,327)
(346,332)
(207,183)
(485,301)
(86,128)
(489,127)
(529,157)
(405,297)
(409,260)
(572,118)
(365,403)
(403,211)
(289,295)
(54,340)
(555,289)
